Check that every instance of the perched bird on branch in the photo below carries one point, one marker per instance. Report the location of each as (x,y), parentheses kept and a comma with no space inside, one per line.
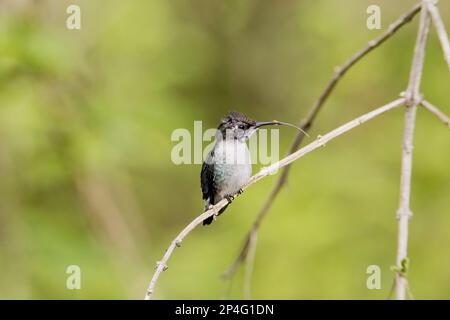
(228,166)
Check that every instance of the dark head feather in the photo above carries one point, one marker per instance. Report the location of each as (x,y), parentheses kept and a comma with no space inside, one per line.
(235,116)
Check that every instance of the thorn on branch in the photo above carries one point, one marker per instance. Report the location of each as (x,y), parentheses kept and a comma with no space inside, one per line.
(165,267)
(319,138)
(404,212)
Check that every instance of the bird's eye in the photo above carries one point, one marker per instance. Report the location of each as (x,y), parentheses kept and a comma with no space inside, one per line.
(241,126)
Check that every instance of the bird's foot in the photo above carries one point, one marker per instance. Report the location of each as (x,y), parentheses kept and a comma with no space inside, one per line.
(230,198)
(214,216)
(241,191)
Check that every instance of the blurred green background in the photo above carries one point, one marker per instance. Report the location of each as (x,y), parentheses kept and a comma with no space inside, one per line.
(86,176)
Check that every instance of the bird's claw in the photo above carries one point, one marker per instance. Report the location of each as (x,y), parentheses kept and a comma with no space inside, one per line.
(230,198)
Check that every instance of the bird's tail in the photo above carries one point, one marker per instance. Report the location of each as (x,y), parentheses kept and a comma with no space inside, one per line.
(209,220)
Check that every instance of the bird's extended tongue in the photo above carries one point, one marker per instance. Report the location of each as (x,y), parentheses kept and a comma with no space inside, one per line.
(278,123)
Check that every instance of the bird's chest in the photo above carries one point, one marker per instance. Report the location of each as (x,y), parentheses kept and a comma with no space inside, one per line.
(232,166)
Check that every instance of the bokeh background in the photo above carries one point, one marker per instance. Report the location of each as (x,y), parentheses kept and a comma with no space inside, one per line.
(86,176)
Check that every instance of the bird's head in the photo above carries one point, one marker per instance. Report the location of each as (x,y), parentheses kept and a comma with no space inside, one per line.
(238,126)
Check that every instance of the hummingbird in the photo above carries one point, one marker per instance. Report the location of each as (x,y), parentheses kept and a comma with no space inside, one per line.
(228,167)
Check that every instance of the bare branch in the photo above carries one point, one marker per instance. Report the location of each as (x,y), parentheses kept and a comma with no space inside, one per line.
(308,121)
(162,265)
(438,113)
(319,142)
(412,100)
(249,269)
(440,29)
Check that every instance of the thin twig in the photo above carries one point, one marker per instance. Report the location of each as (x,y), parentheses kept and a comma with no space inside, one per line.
(438,113)
(408,291)
(319,142)
(440,29)
(413,99)
(249,269)
(306,124)
(228,289)
(391,290)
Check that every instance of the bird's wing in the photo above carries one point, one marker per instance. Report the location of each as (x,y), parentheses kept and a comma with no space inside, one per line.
(207,178)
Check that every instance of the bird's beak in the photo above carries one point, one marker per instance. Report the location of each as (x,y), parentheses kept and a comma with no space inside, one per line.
(266,123)
(277,123)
